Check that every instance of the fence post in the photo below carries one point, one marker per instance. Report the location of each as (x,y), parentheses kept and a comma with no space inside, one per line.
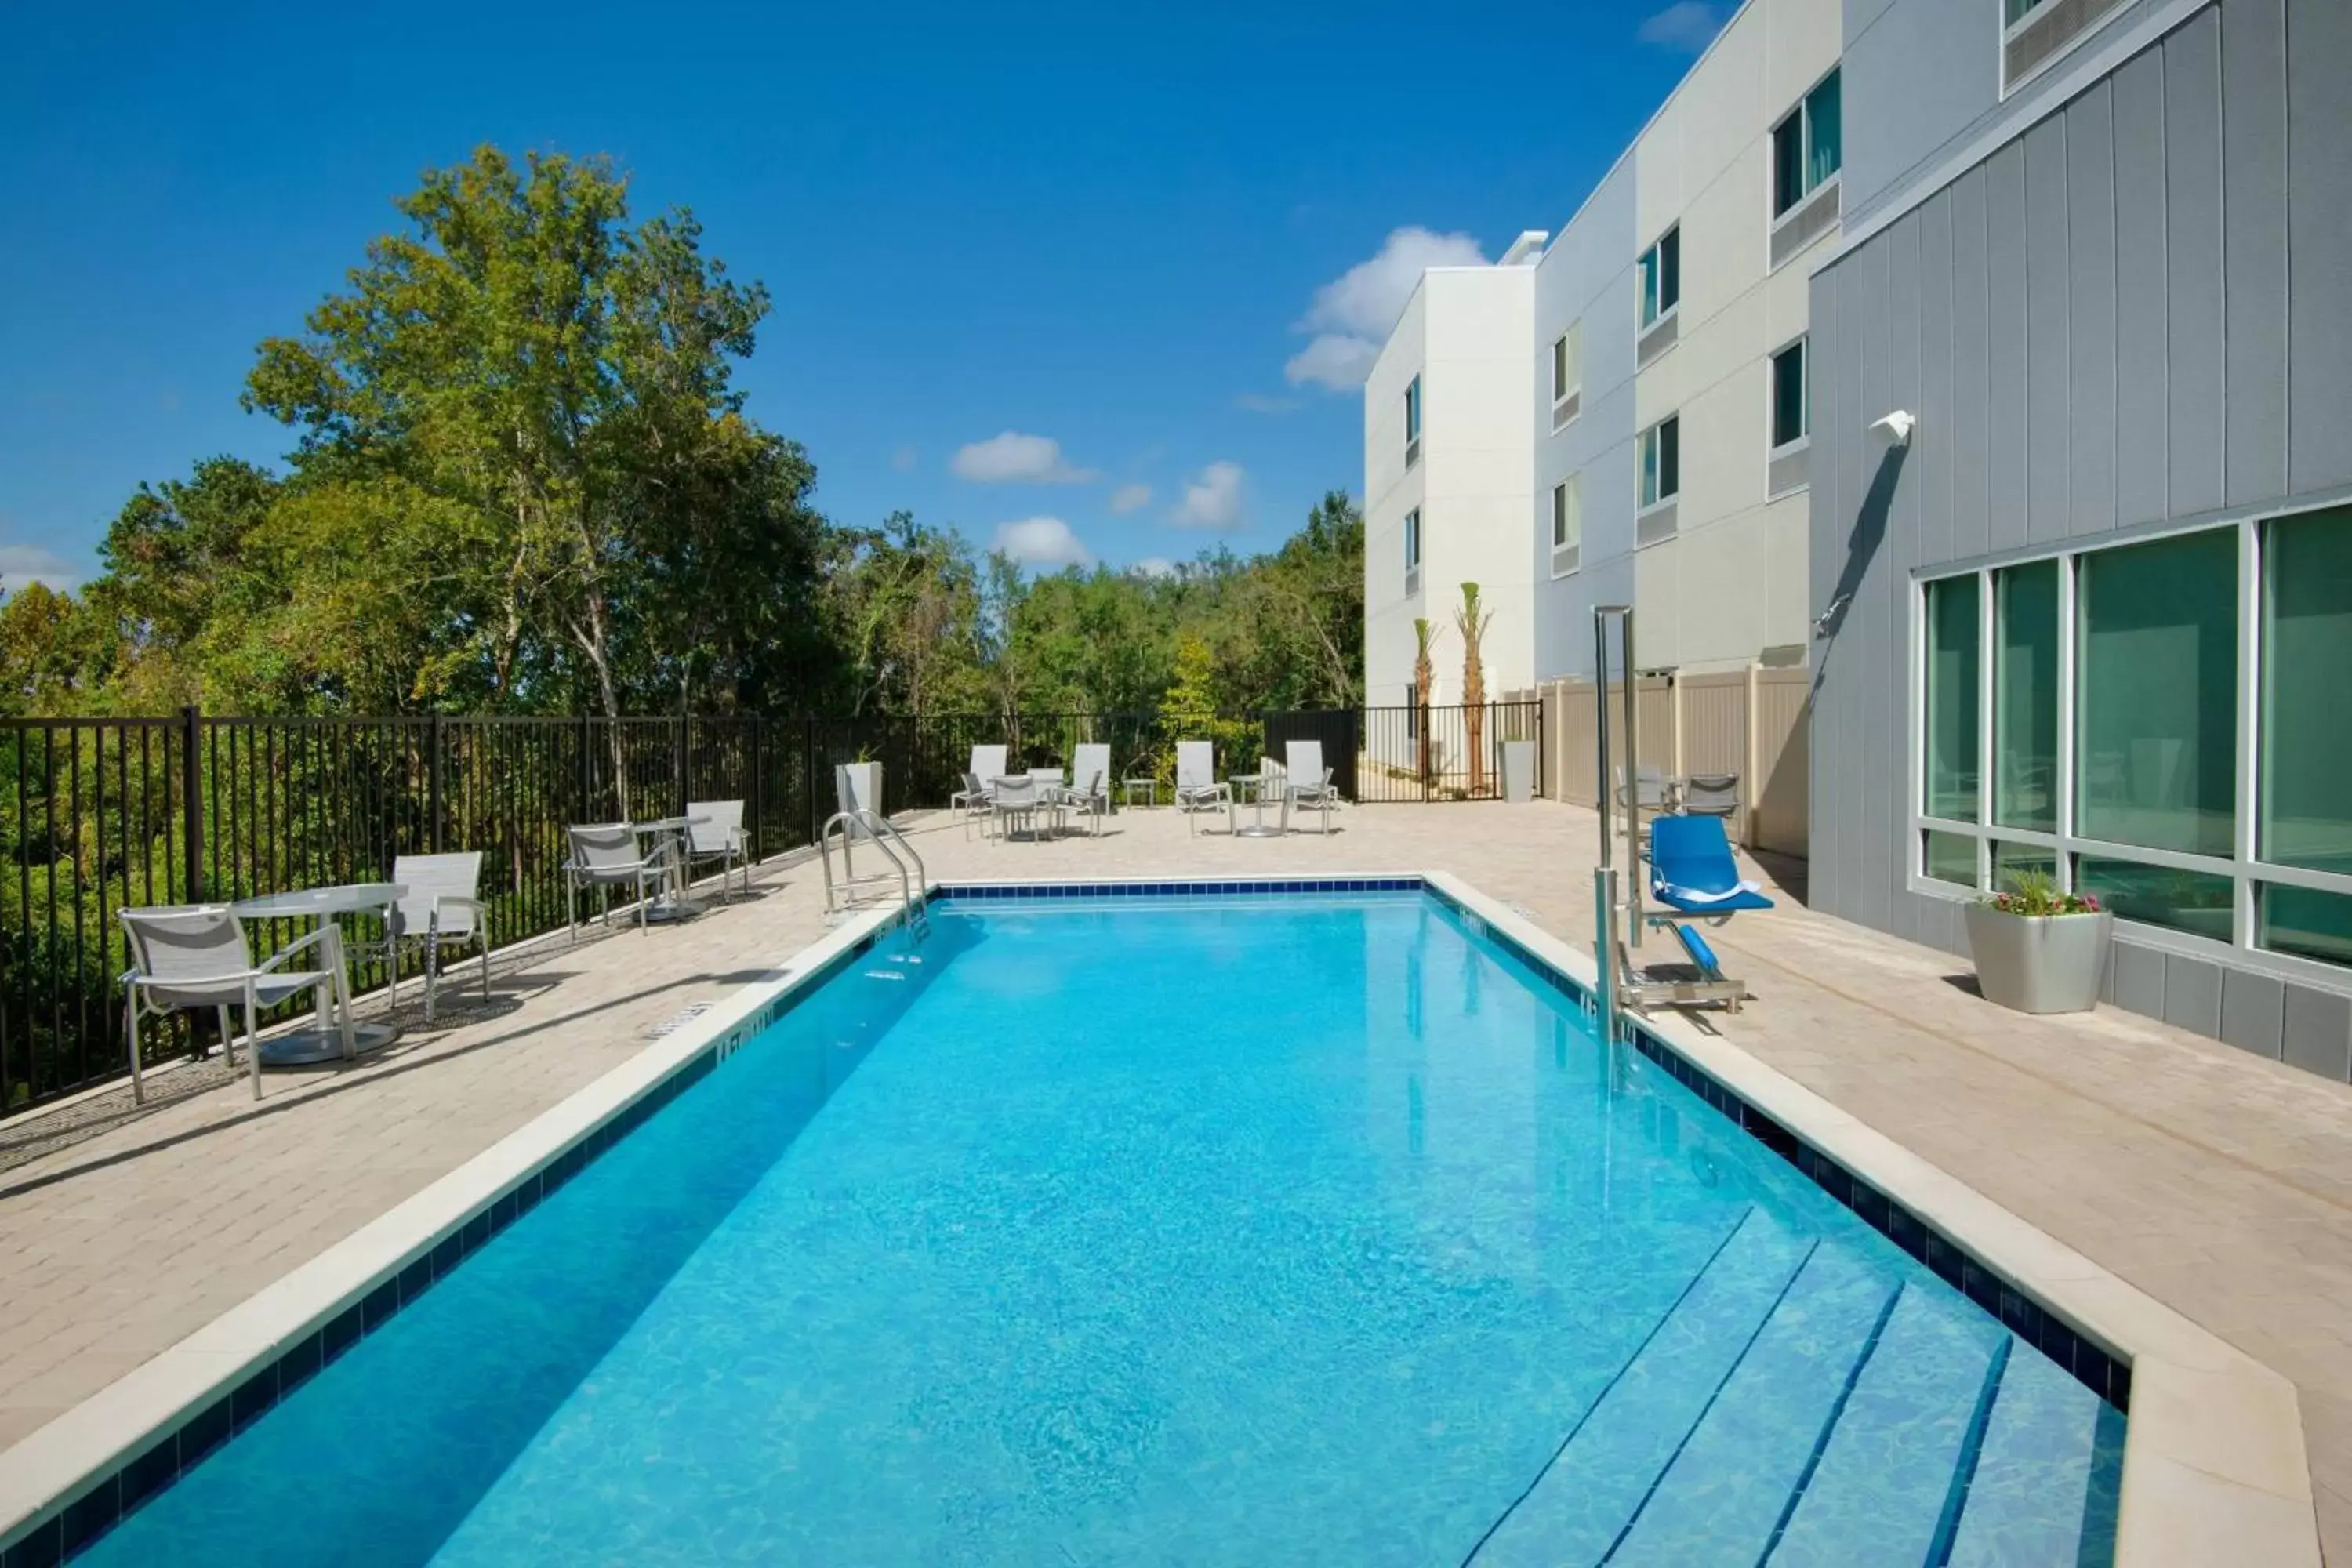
(1749,784)
(580,769)
(432,788)
(678,760)
(192,808)
(808,768)
(759,782)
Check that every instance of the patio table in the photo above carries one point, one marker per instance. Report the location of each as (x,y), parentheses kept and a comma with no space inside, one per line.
(1256,784)
(668,835)
(330,907)
(1149,785)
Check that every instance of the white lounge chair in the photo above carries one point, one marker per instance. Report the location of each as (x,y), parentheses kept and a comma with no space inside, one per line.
(1196,781)
(607,855)
(718,836)
(1308,786)
(440,910)
(988,764)
(194,956)
(1088,790)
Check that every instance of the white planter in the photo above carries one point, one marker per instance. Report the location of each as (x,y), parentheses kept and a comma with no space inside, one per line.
(2052,963)
(863,782)
(1518,771)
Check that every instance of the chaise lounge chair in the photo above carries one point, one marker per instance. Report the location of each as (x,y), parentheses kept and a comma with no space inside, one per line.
(1088,790)
(1309,787)
(1693,876)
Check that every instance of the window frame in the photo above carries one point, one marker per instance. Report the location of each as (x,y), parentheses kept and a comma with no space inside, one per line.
(1414,413)
(1656,431)
(2005,31)
(1412,552)
(1801,345)
(1651,261)
(2247,871)
(1801,113)
(1568,507)
(1567,367)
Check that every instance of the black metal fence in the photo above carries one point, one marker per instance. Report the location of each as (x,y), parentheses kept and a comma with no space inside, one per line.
(98,815)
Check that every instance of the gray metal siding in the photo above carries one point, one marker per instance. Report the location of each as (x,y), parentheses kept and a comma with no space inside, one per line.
(2192,208)
(2319,244)
(2063,319)
(2140,359)
(2253,182)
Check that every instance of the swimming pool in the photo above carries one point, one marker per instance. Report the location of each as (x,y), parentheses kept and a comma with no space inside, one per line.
(1249,1229)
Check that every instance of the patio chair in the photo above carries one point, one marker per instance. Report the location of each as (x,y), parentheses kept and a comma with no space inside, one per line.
(607,855)
(970,804)
(719,837)
(1711,795)
(987,763)
(440,910)
(1088,790)
(1693,873)
(1308,786)
(1013,801)
(194,956)
(1197,782)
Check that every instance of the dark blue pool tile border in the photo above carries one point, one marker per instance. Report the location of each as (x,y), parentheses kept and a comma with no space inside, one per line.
(107,1501)
(961,892)
(2088,1362)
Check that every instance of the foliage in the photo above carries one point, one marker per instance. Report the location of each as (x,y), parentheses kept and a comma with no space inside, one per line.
(1472,623)
(1189,712)
(2036,894)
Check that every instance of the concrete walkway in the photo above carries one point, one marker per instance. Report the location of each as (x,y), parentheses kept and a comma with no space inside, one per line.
(2217,1182)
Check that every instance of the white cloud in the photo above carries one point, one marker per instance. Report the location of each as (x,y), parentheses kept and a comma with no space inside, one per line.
(1042,542)
(1154,566)
(1130,498)
(1686,25)
(1259,403)
(1335,360)
(1353,315)
(1212,500)
(1014,458)
(23,564)
(904,457)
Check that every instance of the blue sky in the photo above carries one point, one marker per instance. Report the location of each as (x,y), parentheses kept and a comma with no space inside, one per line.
(1111,231)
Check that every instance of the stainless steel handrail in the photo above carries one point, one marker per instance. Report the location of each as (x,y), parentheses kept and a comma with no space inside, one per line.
(883,834)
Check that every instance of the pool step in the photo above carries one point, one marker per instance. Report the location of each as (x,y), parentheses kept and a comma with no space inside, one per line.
(2047,1476)
(1578,1504)
(1728,1487)
(1894,1470)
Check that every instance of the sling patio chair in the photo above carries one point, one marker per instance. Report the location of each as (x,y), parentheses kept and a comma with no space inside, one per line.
(194,956)
(1088,790)
(440,910)
(718,835)
(1197,782)
(1308,786)
(607,855)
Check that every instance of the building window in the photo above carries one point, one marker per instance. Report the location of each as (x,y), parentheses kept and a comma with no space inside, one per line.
(1808,147)
(1661,457)
(1793,418)
(1567,524)
(2132,751)
(1412,422)
(2034,33)
(1566,369)
(1952,741)
(2157,694)
(2025,696)
(1662,275)
(1413,551)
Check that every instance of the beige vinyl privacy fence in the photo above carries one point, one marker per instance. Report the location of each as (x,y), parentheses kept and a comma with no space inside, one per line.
(1750,722)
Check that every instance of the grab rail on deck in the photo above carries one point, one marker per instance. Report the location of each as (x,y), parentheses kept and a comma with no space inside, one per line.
(883,834)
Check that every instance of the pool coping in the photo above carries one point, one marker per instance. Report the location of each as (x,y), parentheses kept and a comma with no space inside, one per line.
(2214,1467)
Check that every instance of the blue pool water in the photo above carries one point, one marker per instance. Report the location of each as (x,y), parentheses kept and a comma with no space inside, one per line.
(1240,1231)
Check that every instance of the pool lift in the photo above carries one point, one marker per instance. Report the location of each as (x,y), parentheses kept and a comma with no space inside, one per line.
(1618,923)
(855,824)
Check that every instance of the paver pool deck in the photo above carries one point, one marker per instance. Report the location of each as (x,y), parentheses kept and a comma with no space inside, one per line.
(2219,1183)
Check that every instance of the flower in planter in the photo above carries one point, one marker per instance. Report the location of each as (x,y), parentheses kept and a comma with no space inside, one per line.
(2036,895)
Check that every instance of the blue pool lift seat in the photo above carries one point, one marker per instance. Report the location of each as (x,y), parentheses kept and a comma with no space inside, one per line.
(1693,874)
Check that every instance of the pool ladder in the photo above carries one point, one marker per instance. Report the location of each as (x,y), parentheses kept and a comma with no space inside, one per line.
(863,823)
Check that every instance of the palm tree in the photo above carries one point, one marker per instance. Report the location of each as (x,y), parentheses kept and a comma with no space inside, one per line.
(1472,627)
(1424,676)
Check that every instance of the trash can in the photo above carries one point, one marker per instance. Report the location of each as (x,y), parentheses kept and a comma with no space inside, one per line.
(1518,771)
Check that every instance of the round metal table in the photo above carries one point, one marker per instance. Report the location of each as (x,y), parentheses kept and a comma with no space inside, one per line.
(323,1041)
(1255,783)
(670,833)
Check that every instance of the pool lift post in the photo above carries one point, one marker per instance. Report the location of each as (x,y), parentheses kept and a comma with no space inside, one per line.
(1617,926)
